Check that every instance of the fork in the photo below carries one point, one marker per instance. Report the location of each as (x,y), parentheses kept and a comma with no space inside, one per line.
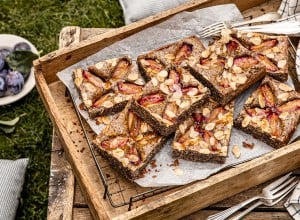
(272,191)
(265,202)
(216,28)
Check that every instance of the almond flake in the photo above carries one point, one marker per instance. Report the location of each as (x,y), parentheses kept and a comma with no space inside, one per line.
(178,146)
(205,53)
(144,127)
(78,81)
(255,40)
(133,76)
(182,128)
(283,96)
(107,85)
(285,87)
(212,141)
(250,34)
(270,55)
(246,121)
(108,104)
(191,61)
(105,120)
(119,153)
(203,145)
(202,90)
(164,88)
(178,102)
(154,81)
(169,82)
(163,73)
(276,49)
(186,78)
(205,112)
(249,100)
(236,69)
(281,63)
(233,85)
(219,135)
(230,62)
(193,133)
(170,113)
(170,56)
(178,171)
(143,142)
(236,151)
(284,115)
(261,100)
(192,92)
(176,95)
(118,99)
(99,65)
(210,126)
(139,82)
(184,104)
(133,158)
(265,125)
(241,79)
(139,137)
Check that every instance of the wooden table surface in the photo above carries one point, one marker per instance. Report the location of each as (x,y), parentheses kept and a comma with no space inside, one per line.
(66,200)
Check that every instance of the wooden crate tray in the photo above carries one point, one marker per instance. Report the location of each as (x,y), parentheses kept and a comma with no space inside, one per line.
(172,204)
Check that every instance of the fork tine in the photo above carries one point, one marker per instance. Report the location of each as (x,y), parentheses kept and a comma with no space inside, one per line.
(277,182)
(210,30)
(287,191)
(211,33)
(283,185)
(212,26)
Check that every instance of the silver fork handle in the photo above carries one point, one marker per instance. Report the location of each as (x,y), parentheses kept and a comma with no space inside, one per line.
(271,16)
(245,212)
(228,212)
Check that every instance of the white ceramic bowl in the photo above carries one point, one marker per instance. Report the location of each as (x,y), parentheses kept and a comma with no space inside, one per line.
(9,41)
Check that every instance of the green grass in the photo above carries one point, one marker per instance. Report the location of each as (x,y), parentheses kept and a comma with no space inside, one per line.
(40,22)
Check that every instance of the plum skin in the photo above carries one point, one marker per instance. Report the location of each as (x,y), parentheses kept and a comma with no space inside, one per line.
(15,82)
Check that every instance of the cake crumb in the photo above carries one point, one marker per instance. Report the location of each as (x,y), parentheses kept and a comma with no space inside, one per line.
(175,163)
(154,176)
(236,151)
(153,164)
(248,145)
(81,106)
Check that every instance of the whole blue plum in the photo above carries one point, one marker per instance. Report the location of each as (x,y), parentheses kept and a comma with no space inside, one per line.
(2,86)
(22,46)
(5,52)
(2,61)
(15,82)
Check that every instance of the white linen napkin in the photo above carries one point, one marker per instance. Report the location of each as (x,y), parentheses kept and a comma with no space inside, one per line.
(293,203)
(135,10)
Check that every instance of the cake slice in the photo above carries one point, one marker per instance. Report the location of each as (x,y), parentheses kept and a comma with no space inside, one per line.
(115,82)
(128,143)
(204,137)
(179,54)
(272,51)
(271,114)
(169,98)
(227,68)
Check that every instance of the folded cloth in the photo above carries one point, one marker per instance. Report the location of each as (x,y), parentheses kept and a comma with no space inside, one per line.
(12,175)
(293,203)
(135,10)
(289,7)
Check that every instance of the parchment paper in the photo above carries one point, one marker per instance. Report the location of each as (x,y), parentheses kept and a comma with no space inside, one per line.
(181,25)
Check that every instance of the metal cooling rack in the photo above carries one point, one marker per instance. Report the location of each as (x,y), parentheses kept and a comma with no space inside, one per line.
(118,190)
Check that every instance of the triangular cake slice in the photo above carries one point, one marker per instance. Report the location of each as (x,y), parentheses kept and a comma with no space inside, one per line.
(204,137)
(128,143)
(271,113)
(272,51)
(227,68)
(178,54)
(118,80)
(169,98)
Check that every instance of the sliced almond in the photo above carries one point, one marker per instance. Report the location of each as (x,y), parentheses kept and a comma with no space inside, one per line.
(246,121)
(283,96)
(236,69)
(170,113)
(193,133)
(178,146)
(249,100)
(284,115)
(139,81)
(203,145)
(163,73)
(176,95)
(182,128)
(255,40)
(143,142)
(154,81)
(210,126)
(144,127)
(184,104)
(107,85)
(186,78)
(105,120)
(125,161)
(192,92)
(164,88)
(233,85)
(285,87)
(178,102)
(212,141)
(205,53)
(205,112)
(241,79)
(191,61)
(250,34)
(236,151)
(203,89)
(219,135)
(133,158)
(261,100)
(139,137)
(270,55)
(170,56)
(230,62)
(281,63)
(265,125)
(133,76)
(78,81)
(108,104)
(119,153)
(166,121)
(118,99)
(276,49)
